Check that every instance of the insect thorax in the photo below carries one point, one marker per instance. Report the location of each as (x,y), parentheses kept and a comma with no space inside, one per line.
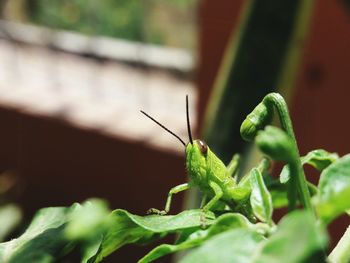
(203,167)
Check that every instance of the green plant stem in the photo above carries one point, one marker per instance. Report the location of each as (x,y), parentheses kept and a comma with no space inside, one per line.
(291,191)
(300,183)
(264,165)
(341,253)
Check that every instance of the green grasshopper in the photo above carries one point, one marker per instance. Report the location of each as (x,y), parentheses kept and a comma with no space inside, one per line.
(207,172)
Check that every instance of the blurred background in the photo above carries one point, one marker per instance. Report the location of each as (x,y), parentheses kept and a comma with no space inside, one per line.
(74,75)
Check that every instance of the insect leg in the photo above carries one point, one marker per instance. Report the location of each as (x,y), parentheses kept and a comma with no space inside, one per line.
(218,194)
(233,166)
(175,190)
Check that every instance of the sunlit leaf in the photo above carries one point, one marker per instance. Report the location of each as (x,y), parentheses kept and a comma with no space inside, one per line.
(237,245)
(298,239)
(223,223)
(43,241)
(341,252)
(127,228)
(334,190)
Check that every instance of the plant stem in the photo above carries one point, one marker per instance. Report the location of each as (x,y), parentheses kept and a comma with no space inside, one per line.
(341,253)
(300,184)
(291,193)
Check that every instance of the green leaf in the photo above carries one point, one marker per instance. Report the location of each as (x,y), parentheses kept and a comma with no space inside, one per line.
(279,196)
(165,249)
(87,225)
(54,231)
(319,159)
(276,143)
(89,250)
(285,174)
(341,252)
(223,223)
(43,240)
(260,197)
(10,217)
(278,193)
(298,239)
(334,190)
(127,228)
(235,245)
(88,220)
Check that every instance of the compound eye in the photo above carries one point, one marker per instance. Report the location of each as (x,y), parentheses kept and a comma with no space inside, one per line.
(203,147)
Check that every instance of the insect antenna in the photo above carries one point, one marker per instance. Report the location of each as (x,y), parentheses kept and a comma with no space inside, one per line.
(165,128)
(188,121)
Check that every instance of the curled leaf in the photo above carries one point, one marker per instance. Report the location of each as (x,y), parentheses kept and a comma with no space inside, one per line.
(255,121)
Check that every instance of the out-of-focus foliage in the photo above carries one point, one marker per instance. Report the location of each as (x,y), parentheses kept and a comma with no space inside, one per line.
(55,231)
(10,213)
(153,21)
(10,218)
(122,18)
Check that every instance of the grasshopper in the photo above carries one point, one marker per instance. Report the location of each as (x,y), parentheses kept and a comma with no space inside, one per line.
(207,172)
